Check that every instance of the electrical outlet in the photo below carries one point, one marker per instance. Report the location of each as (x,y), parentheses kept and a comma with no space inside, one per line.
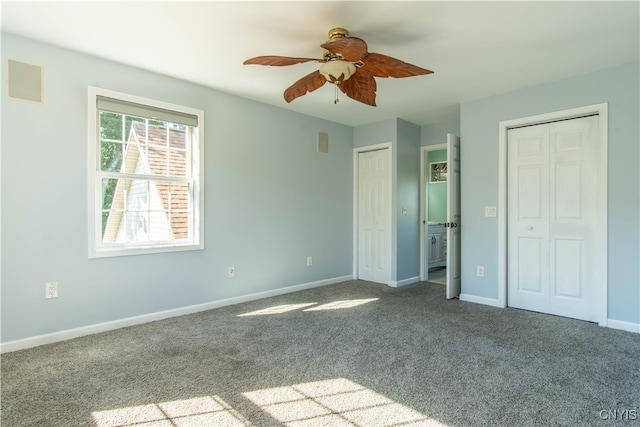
(231,272)
(480,271)
(51,290)
(309,261)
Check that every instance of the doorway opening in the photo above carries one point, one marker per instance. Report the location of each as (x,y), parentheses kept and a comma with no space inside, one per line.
(433,193)
(440,215)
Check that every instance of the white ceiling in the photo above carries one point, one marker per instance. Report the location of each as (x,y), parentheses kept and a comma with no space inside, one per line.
(476,49)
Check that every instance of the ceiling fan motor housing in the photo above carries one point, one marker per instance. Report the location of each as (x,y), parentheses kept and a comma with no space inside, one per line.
(334,34)
(337,33)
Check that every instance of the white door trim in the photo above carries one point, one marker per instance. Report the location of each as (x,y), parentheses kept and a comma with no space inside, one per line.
(424,204)
(601,234)
(392,197)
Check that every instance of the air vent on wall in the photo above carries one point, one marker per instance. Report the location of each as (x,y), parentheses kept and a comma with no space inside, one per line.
(24,81)
(323,142)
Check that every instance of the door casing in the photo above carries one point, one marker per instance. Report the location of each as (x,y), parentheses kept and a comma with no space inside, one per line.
(601,235)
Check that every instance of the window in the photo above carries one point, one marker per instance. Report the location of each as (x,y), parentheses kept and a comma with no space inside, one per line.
(438,172)
(145,175)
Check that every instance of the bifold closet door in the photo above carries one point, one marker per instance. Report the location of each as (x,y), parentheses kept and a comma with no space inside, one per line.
(553,217)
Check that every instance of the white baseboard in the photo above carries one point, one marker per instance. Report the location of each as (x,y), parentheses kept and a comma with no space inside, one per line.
(405,282)
(611,323)
(152,317)
(622,325)
(481,300)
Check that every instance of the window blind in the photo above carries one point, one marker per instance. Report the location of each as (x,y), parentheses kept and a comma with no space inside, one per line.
(112,105)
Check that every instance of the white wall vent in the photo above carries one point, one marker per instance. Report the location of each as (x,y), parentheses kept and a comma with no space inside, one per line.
(323,142)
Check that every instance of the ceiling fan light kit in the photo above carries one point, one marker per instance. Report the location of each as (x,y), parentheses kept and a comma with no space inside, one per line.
(346,63)
(337,70)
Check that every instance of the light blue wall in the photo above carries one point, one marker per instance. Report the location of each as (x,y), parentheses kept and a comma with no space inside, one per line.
(271,201)
(437,191)
(375,133)
(408,191)
(436,133)
(479,119)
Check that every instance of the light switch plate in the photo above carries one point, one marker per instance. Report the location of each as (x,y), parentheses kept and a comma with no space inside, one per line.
(490,211)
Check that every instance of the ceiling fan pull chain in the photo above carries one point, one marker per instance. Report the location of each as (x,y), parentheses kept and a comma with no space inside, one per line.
(335,101)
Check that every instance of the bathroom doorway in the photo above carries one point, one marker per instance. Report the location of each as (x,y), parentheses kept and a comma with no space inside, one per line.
(440,215)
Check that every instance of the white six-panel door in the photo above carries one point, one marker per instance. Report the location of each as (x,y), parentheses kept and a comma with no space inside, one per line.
(552,217)
(373,216)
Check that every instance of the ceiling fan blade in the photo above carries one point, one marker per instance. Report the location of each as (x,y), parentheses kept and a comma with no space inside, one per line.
(361,87)
(308,83)
(279,61)
(381,65)
(352,49)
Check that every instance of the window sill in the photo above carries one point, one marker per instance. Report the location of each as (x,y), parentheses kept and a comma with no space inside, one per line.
(107,252)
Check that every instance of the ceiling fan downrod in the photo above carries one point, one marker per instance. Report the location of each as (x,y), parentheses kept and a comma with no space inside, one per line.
(334,34)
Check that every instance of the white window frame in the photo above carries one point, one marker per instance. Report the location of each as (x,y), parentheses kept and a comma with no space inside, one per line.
(97,249)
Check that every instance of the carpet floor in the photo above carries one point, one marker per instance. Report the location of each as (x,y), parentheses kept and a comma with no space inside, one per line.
(350,354)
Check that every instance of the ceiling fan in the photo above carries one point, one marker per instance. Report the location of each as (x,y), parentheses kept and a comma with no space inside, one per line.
(347,64)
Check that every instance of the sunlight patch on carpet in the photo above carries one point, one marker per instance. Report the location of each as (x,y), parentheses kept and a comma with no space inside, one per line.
(337,305)
(337,402)
(285,308)
(199,411)
(278,309)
